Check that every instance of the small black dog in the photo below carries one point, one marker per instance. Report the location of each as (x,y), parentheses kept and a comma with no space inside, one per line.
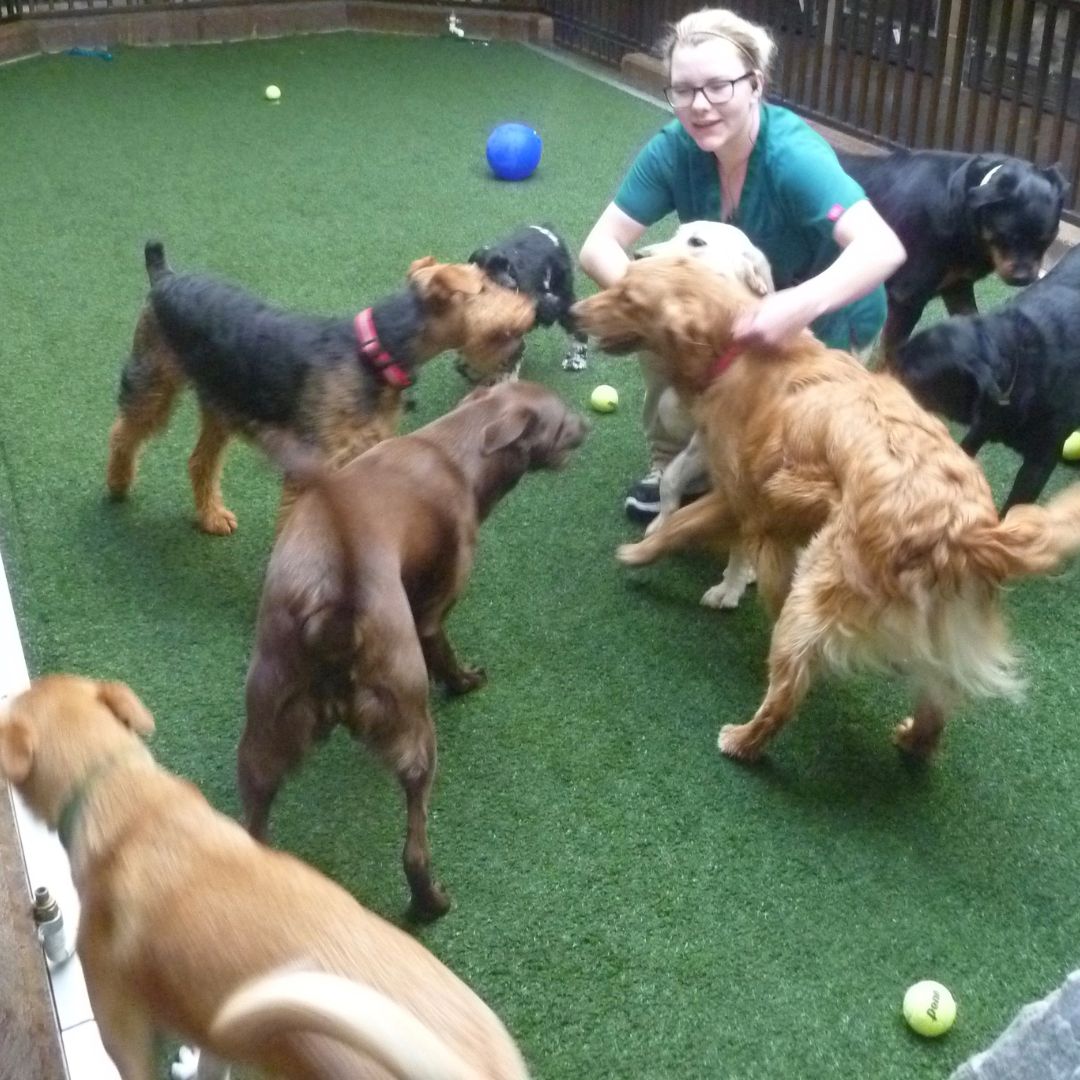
(960,217)
(534,260)
(1013,374)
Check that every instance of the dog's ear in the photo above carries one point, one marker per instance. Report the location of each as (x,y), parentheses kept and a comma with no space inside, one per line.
(757,273)
(420,264)
(16,750)
(498,268)
(685,325)
(507,429)
(1056,177)
(125,705)
(996,185)
(479,256)
(966,178)
(437,283)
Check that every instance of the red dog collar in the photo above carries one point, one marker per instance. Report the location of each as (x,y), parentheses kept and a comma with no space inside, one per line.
(373,352)
(723,362)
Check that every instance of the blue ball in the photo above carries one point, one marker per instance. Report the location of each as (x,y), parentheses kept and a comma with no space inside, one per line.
(513,151)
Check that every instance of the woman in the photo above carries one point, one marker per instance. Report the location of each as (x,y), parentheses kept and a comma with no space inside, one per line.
(730,157)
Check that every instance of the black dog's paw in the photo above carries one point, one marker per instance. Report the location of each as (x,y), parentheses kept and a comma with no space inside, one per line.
(576,358)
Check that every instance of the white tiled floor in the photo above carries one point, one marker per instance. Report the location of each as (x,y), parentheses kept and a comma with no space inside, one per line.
(46,864)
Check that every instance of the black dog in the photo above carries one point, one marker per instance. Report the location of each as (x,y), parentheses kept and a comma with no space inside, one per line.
(535,260)
(959,217)
(1013,374)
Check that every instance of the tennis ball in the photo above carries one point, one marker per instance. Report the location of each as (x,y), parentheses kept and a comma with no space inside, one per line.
(1071,450)
(604,398)
(273,93)
(929,1008)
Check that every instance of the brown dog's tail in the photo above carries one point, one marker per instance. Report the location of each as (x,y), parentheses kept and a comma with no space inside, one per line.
(303,469)
(350,1012)
(1030,539)
(300,464)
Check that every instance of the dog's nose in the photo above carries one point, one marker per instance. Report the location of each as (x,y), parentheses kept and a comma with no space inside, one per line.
(1021,275)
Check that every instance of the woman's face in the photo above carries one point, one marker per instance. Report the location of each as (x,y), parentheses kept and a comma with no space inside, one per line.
(714,60)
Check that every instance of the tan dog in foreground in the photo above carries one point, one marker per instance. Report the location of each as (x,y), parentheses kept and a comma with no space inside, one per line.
(366,570)
(190,927)
(874,535)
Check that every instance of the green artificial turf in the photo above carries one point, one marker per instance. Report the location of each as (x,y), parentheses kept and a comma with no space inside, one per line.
(632,904)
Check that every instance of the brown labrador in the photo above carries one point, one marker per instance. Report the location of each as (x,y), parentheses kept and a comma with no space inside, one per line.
(360,581)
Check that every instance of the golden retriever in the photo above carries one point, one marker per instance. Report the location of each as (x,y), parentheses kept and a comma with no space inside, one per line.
(874,535)
(729,252)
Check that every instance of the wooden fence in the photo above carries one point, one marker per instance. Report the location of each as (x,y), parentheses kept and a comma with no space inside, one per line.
(973,75)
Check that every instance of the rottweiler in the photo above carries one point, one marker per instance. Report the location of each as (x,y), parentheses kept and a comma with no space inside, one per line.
(961,217)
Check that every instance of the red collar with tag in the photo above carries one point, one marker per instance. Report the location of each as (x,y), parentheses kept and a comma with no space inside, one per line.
(722,363)
(372,351)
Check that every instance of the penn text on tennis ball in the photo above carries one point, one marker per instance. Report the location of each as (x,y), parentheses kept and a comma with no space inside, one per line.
(1071,450)
(929,1008)
(604,398)
(272,93)
(513,151)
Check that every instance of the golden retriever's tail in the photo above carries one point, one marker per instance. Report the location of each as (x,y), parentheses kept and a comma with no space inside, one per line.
(352,1013)
(1030,539)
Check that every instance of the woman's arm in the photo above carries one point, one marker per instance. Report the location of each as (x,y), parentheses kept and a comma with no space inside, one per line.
(870,253)
(604,254)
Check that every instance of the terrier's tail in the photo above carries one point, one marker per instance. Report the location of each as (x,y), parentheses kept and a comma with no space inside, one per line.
(156,266)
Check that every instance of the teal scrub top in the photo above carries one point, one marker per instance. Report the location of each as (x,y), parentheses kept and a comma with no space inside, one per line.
(793,194)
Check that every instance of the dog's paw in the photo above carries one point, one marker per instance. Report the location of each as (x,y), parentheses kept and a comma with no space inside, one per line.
(735,743)
(576,358)
(723,597)
(186,1065)
(467,679)
(634,554)
(431,904)
(218,521)
(916,743)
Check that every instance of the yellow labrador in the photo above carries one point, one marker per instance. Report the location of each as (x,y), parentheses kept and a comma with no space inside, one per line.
(192,928)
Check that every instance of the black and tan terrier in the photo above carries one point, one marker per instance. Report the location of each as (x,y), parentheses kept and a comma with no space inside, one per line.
(335,383)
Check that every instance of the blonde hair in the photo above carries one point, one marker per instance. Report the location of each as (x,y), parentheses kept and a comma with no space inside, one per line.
(753,41)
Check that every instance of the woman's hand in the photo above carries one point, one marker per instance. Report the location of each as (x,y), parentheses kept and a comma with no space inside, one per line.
(778,318)
(870,252)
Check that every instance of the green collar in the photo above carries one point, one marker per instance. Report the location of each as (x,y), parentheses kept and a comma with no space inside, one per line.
(69,814)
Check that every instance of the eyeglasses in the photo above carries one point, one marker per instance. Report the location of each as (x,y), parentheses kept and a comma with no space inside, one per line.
(716,91)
